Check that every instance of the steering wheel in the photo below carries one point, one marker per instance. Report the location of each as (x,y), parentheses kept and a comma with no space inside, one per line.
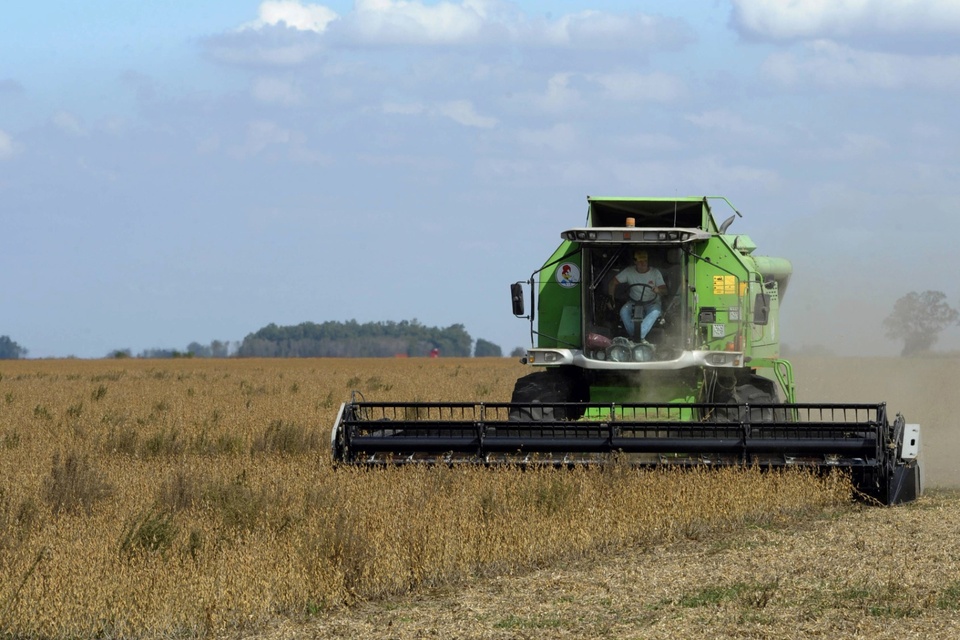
(622,291)
(643,293)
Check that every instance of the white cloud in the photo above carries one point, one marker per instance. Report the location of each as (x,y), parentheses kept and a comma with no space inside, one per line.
(647,142)
(594,30)
(541,170)
(857,146)
(423,167)
(403,109)
(728,123)
(557,97)
(463,112)
(711,174)
(460,111)
(564,92)
(263,134)
(293,14)
(629,86)
(9,86)
(69,123)
(294,32)
(208,145)
(97,172)
(242,50)
(6,145)
(493,22)
(827,64)
(810,19)
(412,22)
(276,91)
(560,138)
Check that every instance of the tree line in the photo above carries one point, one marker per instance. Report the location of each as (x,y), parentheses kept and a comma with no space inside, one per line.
(216,349)
(336,340)
(350,339)
(355,340)
(917,319)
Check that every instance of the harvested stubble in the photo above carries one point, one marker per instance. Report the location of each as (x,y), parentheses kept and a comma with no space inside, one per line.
(191,497)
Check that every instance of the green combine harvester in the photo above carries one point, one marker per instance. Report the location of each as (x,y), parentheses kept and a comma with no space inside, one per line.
(656,340)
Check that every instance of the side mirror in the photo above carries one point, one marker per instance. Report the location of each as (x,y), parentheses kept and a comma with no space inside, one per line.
(516,296)
(761,309)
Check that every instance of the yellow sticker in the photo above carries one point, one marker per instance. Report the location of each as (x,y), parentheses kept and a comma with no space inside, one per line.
(724,285)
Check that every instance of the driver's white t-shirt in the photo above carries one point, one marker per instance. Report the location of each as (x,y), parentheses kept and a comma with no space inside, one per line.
(652,278)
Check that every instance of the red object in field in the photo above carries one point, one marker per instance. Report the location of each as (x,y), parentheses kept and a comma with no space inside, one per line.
(435,353)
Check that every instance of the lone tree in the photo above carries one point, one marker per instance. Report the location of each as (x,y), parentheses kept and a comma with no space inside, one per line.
(918,319)
(10,350)
(486,349)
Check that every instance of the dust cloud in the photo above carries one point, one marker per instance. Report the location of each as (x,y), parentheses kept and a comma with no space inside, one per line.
(924,390)
(837,301)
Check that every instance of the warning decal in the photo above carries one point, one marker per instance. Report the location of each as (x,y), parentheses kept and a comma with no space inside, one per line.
(724,285)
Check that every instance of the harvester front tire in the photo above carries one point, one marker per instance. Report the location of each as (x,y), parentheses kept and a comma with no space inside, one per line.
(755,390)
(546,388)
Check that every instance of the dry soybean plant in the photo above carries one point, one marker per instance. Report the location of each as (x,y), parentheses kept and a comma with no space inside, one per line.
(190,497)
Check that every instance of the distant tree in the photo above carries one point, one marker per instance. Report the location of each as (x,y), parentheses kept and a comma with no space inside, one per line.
(518,352)
(219,349)
(162,353)
(453,341)
(486,349)
(198,350)
(10,350)
(918,319)
(120,353)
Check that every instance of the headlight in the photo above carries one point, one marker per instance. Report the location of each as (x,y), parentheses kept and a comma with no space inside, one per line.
(619,353)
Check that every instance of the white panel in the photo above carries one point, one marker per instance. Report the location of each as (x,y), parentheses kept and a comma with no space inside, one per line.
(911,442)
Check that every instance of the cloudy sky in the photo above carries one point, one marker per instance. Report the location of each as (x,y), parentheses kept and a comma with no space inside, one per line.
(181,171)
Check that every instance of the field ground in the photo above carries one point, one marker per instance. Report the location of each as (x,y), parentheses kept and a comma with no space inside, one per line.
(857,572)
(196,499)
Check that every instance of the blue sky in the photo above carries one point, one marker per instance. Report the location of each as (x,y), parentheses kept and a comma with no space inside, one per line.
(188,171)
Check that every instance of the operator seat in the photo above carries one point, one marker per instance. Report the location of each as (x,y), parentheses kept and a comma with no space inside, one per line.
(665,333)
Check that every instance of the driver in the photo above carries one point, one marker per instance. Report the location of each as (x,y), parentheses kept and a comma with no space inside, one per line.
(646,287)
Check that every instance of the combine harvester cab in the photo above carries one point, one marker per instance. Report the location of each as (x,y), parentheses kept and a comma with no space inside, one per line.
(656,338)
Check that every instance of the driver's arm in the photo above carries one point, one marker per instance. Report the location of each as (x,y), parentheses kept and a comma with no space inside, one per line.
(612,286)
(661,289)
